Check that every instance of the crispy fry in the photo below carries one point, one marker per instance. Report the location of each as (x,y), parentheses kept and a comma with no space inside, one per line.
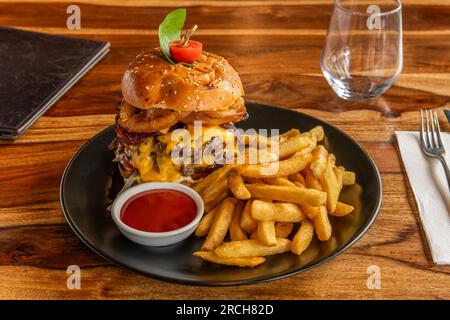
(310,211)
(342,209)
(311,181)
(319,161)
(349,178)
(214,191)
(205,223)
(248,223)
(339,173)
(254,235)
(236,232)
(266,233)
(210,179)
(279,181)
(303,237)
(220,225)
(214,203)
(253,180)
(240,262)
(318,133)
(295,144)
(322,225)
(287,194)
(279,211)
(289,134)
(297,177)
(283,229)
(274,169)
(238,188)
(252,248)
(330,186)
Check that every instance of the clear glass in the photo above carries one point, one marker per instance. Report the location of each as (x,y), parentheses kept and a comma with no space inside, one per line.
(363,51)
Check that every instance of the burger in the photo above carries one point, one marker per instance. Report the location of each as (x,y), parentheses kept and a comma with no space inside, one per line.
(160,96)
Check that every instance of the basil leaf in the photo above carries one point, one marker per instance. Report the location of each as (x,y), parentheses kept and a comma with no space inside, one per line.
(170,30)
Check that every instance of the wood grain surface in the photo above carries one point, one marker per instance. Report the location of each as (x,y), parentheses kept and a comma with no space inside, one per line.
(275,46)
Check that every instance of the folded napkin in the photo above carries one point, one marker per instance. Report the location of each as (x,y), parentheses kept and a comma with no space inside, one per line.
(427,179)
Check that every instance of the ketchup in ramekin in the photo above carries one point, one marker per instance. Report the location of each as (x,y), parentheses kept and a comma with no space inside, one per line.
(159,210)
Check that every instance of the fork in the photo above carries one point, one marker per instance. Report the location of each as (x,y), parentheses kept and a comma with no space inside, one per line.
(430,139)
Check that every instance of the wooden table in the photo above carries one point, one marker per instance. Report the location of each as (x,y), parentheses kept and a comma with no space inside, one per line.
(275,46)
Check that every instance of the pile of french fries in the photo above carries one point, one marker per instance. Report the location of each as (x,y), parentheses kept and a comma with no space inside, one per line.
(270,214)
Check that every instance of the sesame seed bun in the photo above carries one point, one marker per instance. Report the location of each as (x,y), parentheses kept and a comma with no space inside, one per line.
(211,84)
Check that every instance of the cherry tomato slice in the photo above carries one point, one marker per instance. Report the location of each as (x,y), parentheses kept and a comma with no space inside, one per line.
(188,53)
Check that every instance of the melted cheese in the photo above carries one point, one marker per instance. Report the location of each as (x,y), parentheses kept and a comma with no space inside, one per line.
(141,160)
(168,171)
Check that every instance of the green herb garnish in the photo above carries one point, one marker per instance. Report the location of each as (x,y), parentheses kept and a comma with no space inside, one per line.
(170,30)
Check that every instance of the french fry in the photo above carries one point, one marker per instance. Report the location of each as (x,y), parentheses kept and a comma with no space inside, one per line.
(283,229)
(297,177)
(342,209)
(287,194)
(318,133)
(214,203)
(319,161)
(238,188)
(236,232)
(322,225)
(289,134)
(348,178)
(215,190)
(266,233)
(279,211)
(253,180)
(339,173)
(330,186)
(220,225)
(311,181)
(310,211)
(274,169)
(303,237)
(295,144)
(210,179)
(205,223)
(254,235)
(240,262)
(248,223)
(252,248)
(279,181)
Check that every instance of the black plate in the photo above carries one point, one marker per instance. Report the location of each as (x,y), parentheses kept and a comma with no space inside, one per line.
(84,203)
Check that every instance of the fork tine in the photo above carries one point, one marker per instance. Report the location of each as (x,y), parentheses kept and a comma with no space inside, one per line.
(427,130)
(433,130)
(422,130)
(438,130)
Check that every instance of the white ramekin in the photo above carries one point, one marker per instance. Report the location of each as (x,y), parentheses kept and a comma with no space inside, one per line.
(156,239)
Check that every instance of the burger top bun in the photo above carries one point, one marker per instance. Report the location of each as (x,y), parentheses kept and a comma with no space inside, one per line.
(211,84)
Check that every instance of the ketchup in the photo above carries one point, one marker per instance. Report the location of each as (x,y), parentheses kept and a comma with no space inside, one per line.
(158,210)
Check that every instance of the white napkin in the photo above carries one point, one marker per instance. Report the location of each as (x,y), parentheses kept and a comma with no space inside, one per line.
(427,179)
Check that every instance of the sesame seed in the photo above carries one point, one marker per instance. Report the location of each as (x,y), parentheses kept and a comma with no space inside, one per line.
(175,92)
(221,98)
(162,84)
(197,98)
(189,98)
(147,87)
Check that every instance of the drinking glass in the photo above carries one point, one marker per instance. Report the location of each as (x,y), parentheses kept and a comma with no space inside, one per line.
(363,51)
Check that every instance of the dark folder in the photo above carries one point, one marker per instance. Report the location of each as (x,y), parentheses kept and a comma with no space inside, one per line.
(36,69)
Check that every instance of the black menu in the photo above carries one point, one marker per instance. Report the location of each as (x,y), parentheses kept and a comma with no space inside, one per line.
(36,69)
